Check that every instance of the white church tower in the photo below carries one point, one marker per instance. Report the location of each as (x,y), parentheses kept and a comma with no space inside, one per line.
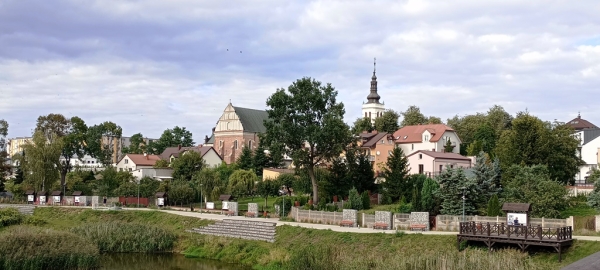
(373,108)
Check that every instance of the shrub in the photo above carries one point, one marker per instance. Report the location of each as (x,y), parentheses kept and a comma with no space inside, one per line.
(494,207)
(355,200)
(10,216)
(404,207)
(118,236)
(288,204)
(30,248)
(366,201)
(34,220)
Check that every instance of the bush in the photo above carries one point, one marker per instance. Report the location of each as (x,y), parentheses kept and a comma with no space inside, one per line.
(494,207)
(10,216)
(31,248)
(118,236)
(34,220)
(366,201)
(288,204)
(404,207)
(355,200)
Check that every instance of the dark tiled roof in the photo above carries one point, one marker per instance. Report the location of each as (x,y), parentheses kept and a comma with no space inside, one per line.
(77,193)
(211,140)
(29,192)
(372,141)
(225,197)
(252,120)
(42,193)
(443,155)
(579,123)
(518,207)
(161,194)
(56,193)
(176,152)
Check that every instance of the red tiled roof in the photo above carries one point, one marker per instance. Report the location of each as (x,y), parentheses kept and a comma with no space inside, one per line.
(441,155)
(579,123)
(175,151)
(141,160)
(413,134)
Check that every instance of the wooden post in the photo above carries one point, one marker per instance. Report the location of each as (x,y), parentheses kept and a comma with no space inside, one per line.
(488,229)
(539,232)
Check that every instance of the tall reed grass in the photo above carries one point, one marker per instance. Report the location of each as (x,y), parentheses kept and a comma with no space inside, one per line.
(10,216)
(24,248)
(116,236)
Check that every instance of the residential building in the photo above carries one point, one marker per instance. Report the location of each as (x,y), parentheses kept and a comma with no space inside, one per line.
(132,162)
(430,137)
(589,142)
(237,128)
(208,154)
(432,163)
(579,123)
(373,108)
(378,147)
(85,163)
(119,143)
(15,145)
(159,174)
(273,173)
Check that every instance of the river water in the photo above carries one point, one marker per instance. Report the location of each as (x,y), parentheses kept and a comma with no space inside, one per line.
(141,261)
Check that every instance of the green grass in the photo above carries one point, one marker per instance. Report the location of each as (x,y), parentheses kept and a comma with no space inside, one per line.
(579,209)
(118,236)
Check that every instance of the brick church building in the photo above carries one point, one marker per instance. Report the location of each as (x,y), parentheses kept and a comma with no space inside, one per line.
(237,128)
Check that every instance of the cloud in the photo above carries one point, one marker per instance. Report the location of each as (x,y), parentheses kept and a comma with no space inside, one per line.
(151,65)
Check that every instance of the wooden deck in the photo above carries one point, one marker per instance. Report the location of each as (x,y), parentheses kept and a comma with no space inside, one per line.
(523,236)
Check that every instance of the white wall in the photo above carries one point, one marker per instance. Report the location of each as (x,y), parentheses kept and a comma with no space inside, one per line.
(212,159)
(589,154)
(438,146)
(125,164)
(229,120)
(372,108)
(453,139)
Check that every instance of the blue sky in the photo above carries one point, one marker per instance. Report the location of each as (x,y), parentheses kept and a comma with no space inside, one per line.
(154,64)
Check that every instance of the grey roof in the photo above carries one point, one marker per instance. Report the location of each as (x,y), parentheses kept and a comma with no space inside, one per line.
(211,139)
(518,207)
(590,134)
(252,120)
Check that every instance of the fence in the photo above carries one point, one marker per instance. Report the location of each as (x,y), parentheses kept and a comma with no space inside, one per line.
(451,223)
(310,216)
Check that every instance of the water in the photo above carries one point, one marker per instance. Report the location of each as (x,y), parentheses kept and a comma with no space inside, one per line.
(135,261)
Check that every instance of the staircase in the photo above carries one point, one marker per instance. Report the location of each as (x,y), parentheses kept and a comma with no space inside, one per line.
(244,229)
(23,209)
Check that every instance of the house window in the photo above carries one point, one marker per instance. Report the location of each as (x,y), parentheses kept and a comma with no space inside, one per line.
(250,144)
(421,169)
(220,143)
(412,147)
(120,169)
(235,144)
(126,161)
(426,138)
(420,156)
(129,169)
(441,167)
(382,141)
(92,162)
(451,166)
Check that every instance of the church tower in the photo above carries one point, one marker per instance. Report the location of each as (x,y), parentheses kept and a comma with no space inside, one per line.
(373,108)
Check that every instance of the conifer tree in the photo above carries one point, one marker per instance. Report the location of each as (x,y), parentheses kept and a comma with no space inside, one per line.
(494,207)
(396,175)
(428,200)
(452,182)
(245,161)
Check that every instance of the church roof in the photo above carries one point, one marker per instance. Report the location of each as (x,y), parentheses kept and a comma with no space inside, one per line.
(252,120)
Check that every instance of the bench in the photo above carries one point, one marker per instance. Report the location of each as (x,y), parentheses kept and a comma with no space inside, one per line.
(421,227)
(229,213)
(347,223)
(250,214)
(380,225)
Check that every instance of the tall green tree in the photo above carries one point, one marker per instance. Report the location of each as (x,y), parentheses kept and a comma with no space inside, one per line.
(484,140)
(360,173)
(171,138)
(41,161)
(180,192)
(260,160)
(434,120)
(396,175)
(207,181)
(306,123)
(413,116)
(188,164)
(137,145)
(465,127)
(428,199)
(362,124)
(453,183)
(387,122)
(241,182)
(245,161)
(5,168)
(494,208)
(487,178)
(338,183)
(100,141)
(267,188)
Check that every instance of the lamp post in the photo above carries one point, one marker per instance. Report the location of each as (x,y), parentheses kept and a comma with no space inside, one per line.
(200,197)
(463,199)
(284,193)
(138,204)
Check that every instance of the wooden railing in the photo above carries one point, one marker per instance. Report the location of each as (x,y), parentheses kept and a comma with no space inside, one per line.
(515,231)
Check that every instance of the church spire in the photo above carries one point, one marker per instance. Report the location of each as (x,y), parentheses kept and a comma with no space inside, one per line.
(373,97)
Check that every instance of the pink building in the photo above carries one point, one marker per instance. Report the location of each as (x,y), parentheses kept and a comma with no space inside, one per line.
(432,163)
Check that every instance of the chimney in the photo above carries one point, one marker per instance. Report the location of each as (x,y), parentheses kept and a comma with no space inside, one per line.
(179,147)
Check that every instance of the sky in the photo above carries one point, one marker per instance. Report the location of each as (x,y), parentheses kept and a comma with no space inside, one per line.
(154,64)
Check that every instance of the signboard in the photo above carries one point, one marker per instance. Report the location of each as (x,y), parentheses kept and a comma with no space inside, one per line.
(161,201)
(225,206)
(77,199)
(516,219)
(57,199)
(30,198)
(42,199)
(210,205)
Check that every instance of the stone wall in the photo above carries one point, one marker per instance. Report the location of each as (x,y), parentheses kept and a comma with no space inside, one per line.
(350,214)
(421,218)
(253,208)
(233,207)
(384,217)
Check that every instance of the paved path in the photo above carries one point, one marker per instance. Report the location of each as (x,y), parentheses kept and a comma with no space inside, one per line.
(588,263)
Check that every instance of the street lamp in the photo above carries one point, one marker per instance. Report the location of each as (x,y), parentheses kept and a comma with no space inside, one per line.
(200,197)
(463,199)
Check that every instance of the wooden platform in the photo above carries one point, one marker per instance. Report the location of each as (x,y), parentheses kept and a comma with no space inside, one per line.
(523,236)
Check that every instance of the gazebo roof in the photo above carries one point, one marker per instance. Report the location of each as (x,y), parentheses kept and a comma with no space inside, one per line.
(161,194)
(225,197)
(29,192)
(517,207)
(56,193)
(77,193)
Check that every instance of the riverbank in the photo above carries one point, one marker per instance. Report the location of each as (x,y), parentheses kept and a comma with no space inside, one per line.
(298,248)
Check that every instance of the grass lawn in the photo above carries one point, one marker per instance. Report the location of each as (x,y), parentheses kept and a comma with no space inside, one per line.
(579,209)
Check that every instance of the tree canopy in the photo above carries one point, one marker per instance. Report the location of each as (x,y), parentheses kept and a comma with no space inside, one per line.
(387,122)
(306,123)
(137,145)
(362,124)
(171,138)
(396,175)
(100,139)
(186,165)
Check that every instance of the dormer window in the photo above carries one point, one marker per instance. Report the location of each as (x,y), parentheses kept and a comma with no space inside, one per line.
(405,137)
(382,141)
(126,161)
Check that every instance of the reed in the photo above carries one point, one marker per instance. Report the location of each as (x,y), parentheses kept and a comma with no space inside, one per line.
(24,247)
(116,236)
(10,216)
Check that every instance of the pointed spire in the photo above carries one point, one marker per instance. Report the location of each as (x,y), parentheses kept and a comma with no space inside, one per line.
(373,97)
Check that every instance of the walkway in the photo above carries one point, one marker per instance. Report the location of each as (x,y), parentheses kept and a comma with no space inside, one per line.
(591,262)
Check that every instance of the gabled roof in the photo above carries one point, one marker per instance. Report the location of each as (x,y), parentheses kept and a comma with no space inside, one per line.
(252,120)
(372,138)
(517,207)
(176,152)
(441,155)
(56,193)
(141,160)
(413,134)
(579,123)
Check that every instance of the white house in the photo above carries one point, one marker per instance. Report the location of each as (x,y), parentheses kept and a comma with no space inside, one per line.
(433,163)
(431,137)
(589,143)
(132,162)
(208,154)
(85,163)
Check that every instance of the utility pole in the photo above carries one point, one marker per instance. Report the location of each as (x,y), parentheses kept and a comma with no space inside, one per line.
(463,199)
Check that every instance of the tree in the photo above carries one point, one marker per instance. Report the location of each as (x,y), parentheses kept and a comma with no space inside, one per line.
(362,124)
(494,209)
(387,122)
(42,161)
(306,123)
(413,116)
(396,175)
(428,200)
(171,138)
(5,168)
(465,127)
(266,188)
(187,165)
(137,145)
(72,134)
(484,140)
(498,119)
(355,200)
(338,183)
(110,180)
(208,180)
(452,182)
(181,192)
(434,120)
(448,147)
(366,200)
(533,184)
(100,141)
(360,171)
(260,161)
(245,161)
(487,176)
(161,163)
(241,182)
